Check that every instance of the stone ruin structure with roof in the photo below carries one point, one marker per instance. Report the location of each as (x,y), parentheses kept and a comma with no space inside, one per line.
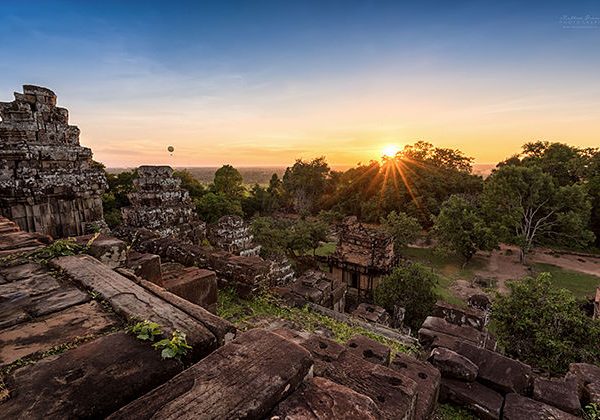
(160,204)
(364,254)
(48,182)
(66,350)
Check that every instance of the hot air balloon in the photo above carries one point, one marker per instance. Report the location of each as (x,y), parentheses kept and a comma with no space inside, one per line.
(171,149)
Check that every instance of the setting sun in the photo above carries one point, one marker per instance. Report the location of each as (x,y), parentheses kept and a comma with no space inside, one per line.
(390,150)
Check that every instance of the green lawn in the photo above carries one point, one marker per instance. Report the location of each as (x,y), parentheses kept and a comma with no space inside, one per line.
(449,269)
(582,285)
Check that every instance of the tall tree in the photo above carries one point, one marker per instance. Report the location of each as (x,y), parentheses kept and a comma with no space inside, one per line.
(527,207)
(228,181)
(304,183)
(461,228)
(404,228)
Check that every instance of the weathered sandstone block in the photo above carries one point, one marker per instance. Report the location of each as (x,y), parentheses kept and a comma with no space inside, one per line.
(517,407)
(246,378)
(48,182)
(90,381)
(427,379)
(321,399)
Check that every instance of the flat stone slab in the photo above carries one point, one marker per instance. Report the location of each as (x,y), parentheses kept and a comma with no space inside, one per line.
(483,401)
(394,394)
(222,329)
(136,303)
(369,349)
(34,296)
(498,371)
(58,328)
(559,393)
(321,399)
(427,378)
(90,381)
(21,271)
(464,332)
(243,379)
(517,407)
(460,316)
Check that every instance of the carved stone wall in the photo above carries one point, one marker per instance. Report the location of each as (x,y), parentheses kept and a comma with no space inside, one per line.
(159,204)
(48,182)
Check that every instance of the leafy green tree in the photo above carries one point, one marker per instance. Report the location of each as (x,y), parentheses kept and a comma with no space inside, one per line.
(461,229)
(271,235)
(567,165)
(287,237)
(412,287)
(211,207)
(544,326)
(404,228)
(113,200)
(526,207)
(228,181)
(263,201)
(305,182)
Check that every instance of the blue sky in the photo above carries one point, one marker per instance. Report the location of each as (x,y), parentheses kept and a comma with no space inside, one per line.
(266,82)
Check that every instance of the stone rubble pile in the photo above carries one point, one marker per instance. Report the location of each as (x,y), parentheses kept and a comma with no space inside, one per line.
(232,234)
(160,204)
(492,385)
(48,182)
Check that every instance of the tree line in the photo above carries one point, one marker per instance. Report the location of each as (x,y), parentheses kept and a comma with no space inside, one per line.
(549,194)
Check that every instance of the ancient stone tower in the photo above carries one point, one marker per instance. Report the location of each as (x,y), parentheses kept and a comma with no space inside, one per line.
(48,182)
(158,203)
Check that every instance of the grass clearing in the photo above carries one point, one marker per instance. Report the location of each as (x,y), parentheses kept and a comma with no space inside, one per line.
(243,313)
(582,285)
(326,249)
(449,268)
(452,412)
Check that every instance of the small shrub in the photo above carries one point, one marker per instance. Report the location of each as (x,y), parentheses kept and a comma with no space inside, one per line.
(59,248)
(175,347)
(146,330)
(591,412)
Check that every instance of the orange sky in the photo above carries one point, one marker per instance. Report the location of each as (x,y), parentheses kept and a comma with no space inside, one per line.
(345,130)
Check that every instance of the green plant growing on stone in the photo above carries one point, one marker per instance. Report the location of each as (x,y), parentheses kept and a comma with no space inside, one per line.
(591,412)
(146,330)
(59,248)
(175,347)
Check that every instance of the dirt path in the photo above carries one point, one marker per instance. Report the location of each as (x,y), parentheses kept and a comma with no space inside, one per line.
(503,264)
(583,264)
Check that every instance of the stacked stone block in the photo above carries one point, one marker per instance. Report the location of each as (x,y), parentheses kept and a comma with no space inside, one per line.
(48,182)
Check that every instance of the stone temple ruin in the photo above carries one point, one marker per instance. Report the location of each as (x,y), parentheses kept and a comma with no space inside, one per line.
(48,182)
(67,351)
(364,255)
(159,203)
